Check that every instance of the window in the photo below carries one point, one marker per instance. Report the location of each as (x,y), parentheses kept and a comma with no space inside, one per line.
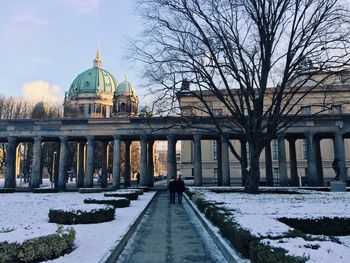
(98,108)
(305,150)
(305,110)
(89,110)
(215,150)
(276,175)
(275,149)
(81,107)
(215,173)
(217,112)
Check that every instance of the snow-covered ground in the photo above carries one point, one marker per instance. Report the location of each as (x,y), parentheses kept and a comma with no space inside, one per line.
(25,215)
(259,214)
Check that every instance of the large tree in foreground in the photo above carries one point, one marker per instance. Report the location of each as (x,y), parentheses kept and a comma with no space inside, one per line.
(236,49)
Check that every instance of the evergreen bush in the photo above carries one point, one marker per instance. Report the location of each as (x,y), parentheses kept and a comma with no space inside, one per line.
(40,248)
(116,202)
(90,190)
(44,190)
(129,195)
(82,215)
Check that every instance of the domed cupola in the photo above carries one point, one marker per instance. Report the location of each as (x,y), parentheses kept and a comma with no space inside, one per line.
(91,92)
(125,102)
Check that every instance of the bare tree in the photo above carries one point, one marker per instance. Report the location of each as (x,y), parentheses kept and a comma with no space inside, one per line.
(235,50)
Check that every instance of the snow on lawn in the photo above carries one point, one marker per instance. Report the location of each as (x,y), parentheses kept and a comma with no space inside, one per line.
(259,213)
(25,216)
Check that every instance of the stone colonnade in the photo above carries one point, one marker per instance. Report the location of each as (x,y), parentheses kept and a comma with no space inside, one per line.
(85,178)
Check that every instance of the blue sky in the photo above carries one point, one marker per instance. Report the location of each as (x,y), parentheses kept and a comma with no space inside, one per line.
(45,44)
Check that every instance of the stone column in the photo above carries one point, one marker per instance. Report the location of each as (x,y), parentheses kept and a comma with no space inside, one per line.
(104,170)
(10,179)
(293,162)
(282,160)
(197,166)
(80,165)
(150,161)
(311,160)
(116,162)
(244,162)
(36,163)
(143,161)
(62,166)
(268,165)
(225,162)
(127,172)
(171,162)
(89,179)
(219,161)
(340,154)
(319,166)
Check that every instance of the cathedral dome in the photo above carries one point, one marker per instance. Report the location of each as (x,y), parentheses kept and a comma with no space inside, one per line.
(125,88)
(95,80)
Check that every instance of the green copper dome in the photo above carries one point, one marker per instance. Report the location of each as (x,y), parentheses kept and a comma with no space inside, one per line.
(125,88)
(94,80)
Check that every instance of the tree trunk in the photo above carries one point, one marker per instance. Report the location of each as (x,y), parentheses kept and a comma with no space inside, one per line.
(252,183)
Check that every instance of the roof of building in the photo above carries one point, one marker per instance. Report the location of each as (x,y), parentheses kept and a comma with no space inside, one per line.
(126,88)
(94,80)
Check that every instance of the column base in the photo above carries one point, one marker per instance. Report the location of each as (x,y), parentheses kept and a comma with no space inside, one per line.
(337,186)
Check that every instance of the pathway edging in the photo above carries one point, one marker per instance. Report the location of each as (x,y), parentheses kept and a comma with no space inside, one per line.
(229,253)
(116,251)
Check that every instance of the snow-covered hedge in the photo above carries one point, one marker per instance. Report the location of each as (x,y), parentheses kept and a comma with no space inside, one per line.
(134,190)
(336,226)
(144,188)
(82,214)
(7,190)
(240,238)
(90,190)
(40,248)
(116,202)
(127,194)
(45,190)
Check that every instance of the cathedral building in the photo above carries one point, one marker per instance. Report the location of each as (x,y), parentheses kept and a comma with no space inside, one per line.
(96,93)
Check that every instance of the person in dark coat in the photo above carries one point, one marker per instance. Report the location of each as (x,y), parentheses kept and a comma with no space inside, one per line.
(172,190)
(180,188)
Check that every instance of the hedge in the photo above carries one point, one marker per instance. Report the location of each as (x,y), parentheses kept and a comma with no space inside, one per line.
(336,226)
(85,214)
(7,190)
(134,190)
(90,190)
(44,190)
(144,188)
(40,248)
(241,239)
(116,202)
(129,195)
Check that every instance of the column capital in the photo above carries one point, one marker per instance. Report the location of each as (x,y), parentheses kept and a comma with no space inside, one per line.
(291,139)
(197,137)
(170,137)
(117,137)
(281,136)
(11,139)
(63,139)
(144,137)
(90,138)
(38,139)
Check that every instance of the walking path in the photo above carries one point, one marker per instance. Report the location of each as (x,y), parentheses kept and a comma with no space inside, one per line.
(168,234)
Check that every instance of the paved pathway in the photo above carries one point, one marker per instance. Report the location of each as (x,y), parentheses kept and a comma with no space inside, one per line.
(166,234)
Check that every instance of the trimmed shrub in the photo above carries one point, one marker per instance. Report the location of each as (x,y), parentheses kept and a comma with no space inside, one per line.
(86,214)
(262,253)
(129,195)
(44,190)
(240,238)
(6,191)
(135,190)
(116,202)
(336,226)
(144,188)
(40,248)
(90,190)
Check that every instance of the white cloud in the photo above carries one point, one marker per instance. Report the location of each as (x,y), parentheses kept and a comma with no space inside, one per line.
(84,6)
(41,90)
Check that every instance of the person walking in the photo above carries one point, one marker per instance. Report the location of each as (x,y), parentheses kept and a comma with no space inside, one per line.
(172,190)
(180,188)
